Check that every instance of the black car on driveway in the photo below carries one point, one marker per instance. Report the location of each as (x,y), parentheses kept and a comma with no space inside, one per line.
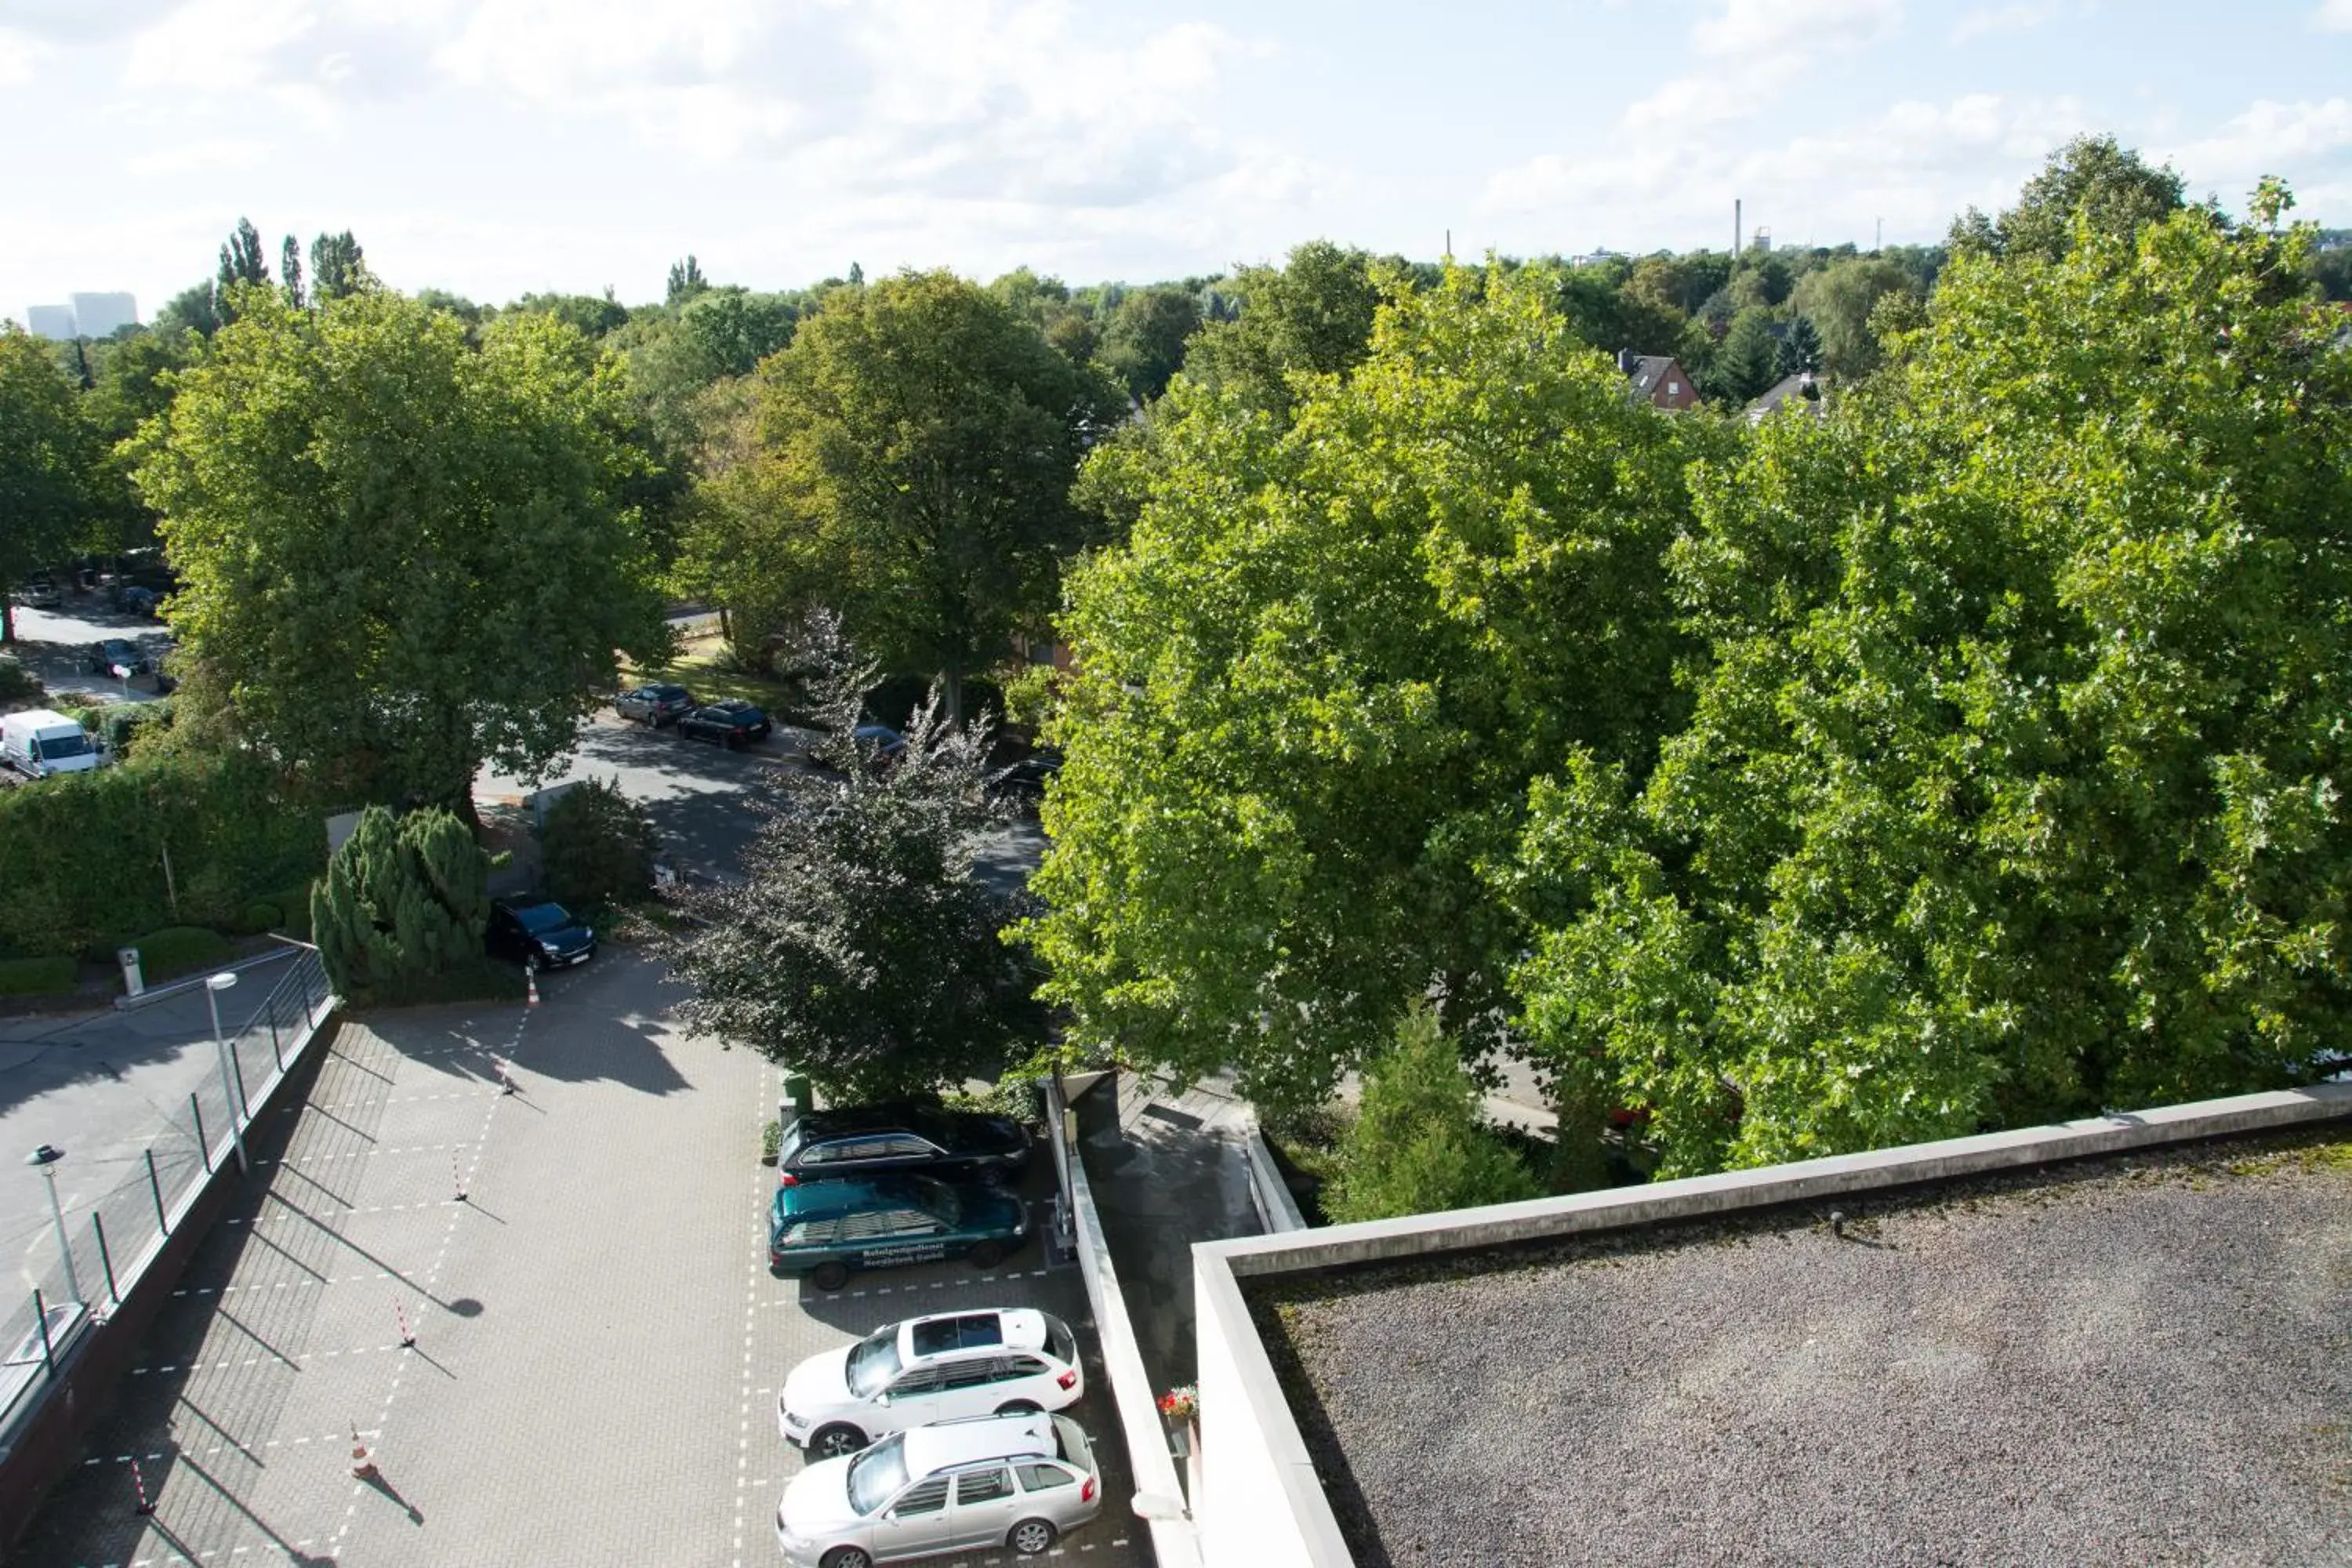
(543,931)
(116,653)
(900,1135)
(730,724)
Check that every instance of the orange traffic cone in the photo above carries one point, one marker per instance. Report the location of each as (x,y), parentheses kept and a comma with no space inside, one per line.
(362,1462)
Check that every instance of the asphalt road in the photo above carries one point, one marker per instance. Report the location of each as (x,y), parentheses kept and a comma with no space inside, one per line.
(704,799)
(50,643)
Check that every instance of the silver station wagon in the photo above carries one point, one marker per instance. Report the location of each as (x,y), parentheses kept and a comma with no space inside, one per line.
(960,1485)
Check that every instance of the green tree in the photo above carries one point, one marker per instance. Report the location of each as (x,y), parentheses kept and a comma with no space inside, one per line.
(289,271)
(51,464)
(1749,360)
(1144,345)
(916,443)
(1800,349)
(1313,316)
(405,902)
(337,267)
(859,947)
(2094,178)
(2008,793)
(589,315)
(401,554)
(242,261)
(196,309)
(1310,691)
(1839,299)
(597,845)
(132,383)
(1420,1143)
(686,280)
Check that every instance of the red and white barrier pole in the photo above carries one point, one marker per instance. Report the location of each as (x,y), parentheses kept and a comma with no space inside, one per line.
(362,1462)
(138,1486)
(407,1335)
(530,980)
(456,1181)
(506,1079)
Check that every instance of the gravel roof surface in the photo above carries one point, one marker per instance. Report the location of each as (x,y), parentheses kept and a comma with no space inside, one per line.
(2139,1360)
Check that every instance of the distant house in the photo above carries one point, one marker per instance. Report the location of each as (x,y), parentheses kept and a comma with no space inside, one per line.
(1801,391)
(1658,380)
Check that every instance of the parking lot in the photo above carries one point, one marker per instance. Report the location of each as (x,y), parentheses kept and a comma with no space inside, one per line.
(598,1341)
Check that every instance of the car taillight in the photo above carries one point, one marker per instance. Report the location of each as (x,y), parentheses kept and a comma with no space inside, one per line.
(788,1180)
(1069,1379)
(1087,1492)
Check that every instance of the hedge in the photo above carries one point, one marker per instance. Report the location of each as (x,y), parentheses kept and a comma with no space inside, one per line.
(176,950)
(82,857)
(37,976)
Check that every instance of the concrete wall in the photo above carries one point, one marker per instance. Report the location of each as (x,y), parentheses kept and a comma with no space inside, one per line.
(1261,1503)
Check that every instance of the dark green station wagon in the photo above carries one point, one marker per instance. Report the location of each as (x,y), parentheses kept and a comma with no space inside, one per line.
(824,1229)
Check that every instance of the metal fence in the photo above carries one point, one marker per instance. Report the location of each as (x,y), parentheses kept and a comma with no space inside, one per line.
(97,1247)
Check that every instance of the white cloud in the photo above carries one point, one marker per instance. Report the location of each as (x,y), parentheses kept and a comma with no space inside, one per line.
(2311,141)
(2333,16)
(1987,21)
(218,46)
(211,152)
(19,54)
(1747,28)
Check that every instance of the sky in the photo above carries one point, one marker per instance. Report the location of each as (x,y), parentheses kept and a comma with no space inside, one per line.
(497,147)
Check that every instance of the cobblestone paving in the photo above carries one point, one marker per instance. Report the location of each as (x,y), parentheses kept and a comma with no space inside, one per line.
(598,1341)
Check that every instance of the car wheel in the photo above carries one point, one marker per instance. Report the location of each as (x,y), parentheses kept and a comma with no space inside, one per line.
(846,1557)
(830,1276)
(1030,1538)
(1019,1407)
(987,1255)
(836,1441)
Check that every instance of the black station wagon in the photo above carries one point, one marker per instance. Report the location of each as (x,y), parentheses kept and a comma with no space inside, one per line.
(899,1136)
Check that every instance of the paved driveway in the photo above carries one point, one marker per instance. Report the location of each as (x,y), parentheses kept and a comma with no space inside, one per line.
(598,1339)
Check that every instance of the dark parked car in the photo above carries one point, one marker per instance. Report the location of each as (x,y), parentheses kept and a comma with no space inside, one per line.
(113,654)
(543,931)
(729,724)
(658,704)
(1025,780)
(899,1136)
(824,1229)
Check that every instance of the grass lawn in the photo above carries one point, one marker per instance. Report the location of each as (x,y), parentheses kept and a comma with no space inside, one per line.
(702,667)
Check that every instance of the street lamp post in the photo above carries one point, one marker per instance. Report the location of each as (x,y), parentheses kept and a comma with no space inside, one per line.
(44,1160)
(214,985)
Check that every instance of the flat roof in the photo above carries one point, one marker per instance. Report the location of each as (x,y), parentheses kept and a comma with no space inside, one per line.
(2140,1357)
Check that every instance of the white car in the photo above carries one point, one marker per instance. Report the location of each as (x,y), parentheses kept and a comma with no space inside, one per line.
(940,1368)
(1020,1482)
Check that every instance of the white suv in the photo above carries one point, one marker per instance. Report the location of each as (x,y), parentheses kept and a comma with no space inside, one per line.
(940,1368)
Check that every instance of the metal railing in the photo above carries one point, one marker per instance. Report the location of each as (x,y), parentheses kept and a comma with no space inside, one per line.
(109,1242)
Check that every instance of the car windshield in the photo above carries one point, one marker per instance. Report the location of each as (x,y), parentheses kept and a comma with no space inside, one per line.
(876,1474)
(1059,1341)
(541,919)
(54,748)
(873,1362)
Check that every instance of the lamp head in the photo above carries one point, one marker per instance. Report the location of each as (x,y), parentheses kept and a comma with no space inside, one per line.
(222,981)
(45,1156)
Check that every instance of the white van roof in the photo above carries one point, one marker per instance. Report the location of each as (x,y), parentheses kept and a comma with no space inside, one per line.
(43,719)
(931,1449)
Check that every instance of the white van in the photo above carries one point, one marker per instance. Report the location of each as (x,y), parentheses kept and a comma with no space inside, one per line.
(38,743)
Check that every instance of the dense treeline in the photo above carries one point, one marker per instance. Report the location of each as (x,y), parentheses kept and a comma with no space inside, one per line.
(1966,757)
(1963,757)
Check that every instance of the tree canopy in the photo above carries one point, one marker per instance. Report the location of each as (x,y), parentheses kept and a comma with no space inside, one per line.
(50,464)
(1312,687)
(402,553)
(914,446)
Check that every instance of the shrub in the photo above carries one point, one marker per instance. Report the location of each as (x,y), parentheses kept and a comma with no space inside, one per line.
(18,684)
(401,912)
(294,911)
(176,950)
(123,725)
(1421,1142)
(258,916)
(37,976)
(598,846)
(772,1138)
(83,858)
